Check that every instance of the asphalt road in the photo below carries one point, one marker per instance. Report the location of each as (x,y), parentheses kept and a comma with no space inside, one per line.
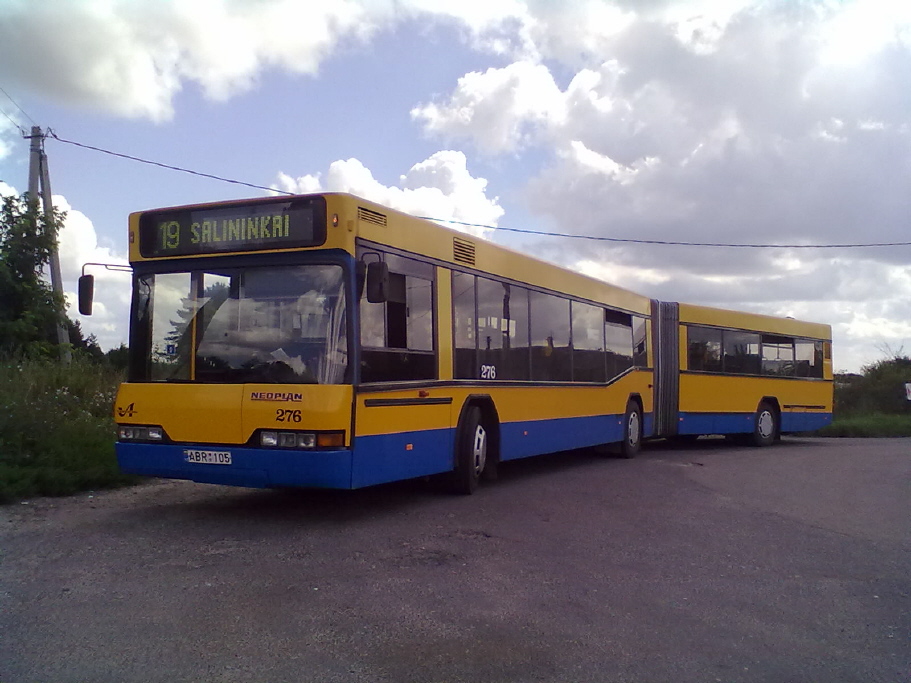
(707,563)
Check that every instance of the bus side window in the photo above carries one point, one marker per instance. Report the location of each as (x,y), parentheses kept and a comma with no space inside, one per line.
(551,353)
(397,335)
(464,326)
(704,349)
(640,343)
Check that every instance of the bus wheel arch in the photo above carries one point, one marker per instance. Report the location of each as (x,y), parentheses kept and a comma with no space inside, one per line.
(767,422)
(477,444)
(632,427)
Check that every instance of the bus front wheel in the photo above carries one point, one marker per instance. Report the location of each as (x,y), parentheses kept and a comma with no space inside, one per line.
(471,452)
(632,431)
(765,426)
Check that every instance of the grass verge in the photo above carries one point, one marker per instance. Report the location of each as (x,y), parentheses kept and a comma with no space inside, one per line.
(56,428)
(873,425)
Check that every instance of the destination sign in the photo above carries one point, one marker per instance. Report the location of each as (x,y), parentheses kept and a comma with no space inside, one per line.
(280,224)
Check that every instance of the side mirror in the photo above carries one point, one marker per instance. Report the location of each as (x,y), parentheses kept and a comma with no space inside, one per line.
(86,293)
(377,282)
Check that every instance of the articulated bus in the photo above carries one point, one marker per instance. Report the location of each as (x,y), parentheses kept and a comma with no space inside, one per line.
(326,341)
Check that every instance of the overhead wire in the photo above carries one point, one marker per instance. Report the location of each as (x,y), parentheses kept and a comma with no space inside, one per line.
(24,113)
(672,242)
(211,176)
(13,121)
(539,233)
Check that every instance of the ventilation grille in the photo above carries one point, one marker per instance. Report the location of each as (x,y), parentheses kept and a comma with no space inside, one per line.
(371,216)
(463,251)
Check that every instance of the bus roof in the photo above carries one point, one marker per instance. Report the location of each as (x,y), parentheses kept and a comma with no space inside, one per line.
(429,238)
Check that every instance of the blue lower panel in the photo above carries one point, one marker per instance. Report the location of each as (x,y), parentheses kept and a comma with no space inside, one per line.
(257,468)
(374,460)
(648,425)
(395,457)
(804,422)
(524,439)
(743,423)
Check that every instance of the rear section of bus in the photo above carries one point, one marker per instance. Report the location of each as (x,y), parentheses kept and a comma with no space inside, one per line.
(730,372)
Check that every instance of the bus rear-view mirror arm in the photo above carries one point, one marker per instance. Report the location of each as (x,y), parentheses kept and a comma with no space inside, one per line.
(86,285)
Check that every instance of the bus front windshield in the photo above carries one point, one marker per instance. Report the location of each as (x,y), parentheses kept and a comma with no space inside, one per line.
(284,324)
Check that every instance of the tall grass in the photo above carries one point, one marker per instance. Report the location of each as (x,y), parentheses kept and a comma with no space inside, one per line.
(56,428)
(872,425)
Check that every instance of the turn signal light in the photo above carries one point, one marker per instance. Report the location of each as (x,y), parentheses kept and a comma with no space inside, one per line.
(330,440)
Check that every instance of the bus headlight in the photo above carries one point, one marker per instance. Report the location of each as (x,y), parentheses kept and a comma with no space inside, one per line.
(301,440)
(140,433)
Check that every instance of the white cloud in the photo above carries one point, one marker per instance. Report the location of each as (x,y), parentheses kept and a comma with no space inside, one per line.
(499,108)
(133,57)
(698,120)
(78,245)
(439,187)
(718,122)
(8,131)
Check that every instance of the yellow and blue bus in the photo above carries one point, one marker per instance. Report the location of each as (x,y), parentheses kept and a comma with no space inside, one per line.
(326,341)
(735,373)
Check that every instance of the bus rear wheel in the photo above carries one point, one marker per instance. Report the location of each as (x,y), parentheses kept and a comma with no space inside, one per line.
(765,425)
(471,452)
(632,431)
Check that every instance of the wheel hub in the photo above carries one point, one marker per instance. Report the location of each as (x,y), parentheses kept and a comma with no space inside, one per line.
(479,449)
(766,424)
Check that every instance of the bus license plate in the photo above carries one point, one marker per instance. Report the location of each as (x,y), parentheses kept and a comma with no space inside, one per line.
(208,457)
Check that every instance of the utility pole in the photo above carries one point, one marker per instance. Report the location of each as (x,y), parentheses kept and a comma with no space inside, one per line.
(38,175)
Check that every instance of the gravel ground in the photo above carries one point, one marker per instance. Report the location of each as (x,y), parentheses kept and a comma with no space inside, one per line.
(704,563)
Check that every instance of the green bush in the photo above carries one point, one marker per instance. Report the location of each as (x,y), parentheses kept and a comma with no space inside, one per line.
(56,428)
(879,389)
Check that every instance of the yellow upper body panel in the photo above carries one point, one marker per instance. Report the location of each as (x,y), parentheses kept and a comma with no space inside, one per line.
(231,413)
(715,393)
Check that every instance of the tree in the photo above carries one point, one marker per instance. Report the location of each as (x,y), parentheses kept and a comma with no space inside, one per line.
(29,309)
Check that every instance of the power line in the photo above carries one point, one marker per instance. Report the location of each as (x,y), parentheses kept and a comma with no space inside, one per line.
(167,166)
(671,242)
(24,113)
(540,233)
(13,121)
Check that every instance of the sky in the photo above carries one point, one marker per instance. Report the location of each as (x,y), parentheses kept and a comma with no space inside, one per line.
(713,121)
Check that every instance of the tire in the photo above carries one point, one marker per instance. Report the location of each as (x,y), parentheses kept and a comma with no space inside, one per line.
(765,425)
(471,452)
(632,431)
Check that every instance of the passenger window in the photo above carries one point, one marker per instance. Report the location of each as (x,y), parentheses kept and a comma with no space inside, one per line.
(502,331)
(551,355)
(397,335)
(588,343)
(640,342)
(808,358)
(741,352)
(419,314)
(704,349)
(618,331)
(463,326)
(777,356)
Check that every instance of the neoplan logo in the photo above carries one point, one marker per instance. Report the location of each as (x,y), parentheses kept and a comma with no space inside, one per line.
(294,397)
